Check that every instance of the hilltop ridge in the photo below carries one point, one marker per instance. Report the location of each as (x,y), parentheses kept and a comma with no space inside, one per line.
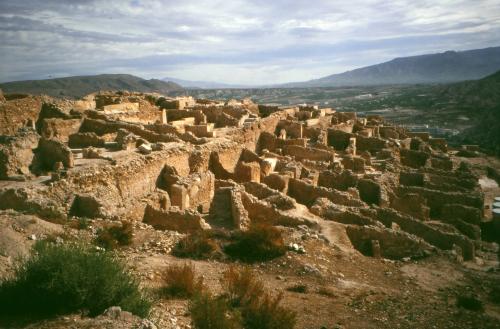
(79,86)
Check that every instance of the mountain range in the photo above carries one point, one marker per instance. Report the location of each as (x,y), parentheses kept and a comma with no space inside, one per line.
(446,67)
(79,86)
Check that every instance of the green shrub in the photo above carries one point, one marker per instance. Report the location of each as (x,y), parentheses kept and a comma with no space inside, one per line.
(241,286)
(180,281)
(113,236)
(300,288)
(495,294)
(209,312)
(67,278)
(80,223)
(196,246)
(259,243)
(267,313)
(470,303)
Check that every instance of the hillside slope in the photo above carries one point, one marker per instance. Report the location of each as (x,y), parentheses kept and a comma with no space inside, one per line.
(79,86)
(481,100)
(450,66)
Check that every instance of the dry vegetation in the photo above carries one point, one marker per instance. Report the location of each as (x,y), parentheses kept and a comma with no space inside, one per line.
(261,242)
(115,235)
(198,245)
(181,281)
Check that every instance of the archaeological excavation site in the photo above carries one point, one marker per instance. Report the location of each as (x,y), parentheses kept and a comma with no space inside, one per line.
(139,210)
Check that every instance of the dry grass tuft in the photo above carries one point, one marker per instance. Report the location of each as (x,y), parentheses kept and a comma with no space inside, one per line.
(181,281)
(267,313)
(211,312)
(113,236)
(241,286)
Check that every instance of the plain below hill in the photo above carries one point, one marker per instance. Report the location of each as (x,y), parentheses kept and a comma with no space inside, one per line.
(192,84)
(446,67)
(79,86)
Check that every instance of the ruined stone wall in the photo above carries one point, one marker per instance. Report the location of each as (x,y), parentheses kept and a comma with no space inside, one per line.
(293,129)
(438,238)
(393,244)
(60,128)
(51,151)
(16,154)
(338,139)
(173,114)
(18,113)
(437,199)
(101,127)
(339,181)
(371,144)
(306,194)
(414,159)
(80,140)
(174,220)
(309,153)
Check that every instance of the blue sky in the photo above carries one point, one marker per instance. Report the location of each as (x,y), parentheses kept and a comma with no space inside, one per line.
(232,41)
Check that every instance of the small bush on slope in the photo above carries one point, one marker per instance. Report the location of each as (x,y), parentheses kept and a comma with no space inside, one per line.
(267,313)
(210,312)
(259,243)
(114,235)
(61,279)
(180,281)
(241,286)
(197,245)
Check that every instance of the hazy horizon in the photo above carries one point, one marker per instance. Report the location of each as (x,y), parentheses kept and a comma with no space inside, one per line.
(241,42)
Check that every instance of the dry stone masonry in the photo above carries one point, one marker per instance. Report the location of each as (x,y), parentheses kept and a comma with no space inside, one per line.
(186,164)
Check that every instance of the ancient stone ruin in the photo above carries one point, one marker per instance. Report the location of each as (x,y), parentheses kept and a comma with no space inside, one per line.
(186,165)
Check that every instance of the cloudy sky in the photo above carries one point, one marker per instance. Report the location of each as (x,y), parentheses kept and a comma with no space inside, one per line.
(233,41)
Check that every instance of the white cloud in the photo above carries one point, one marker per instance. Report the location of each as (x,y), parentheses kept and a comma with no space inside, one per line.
(247,42)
